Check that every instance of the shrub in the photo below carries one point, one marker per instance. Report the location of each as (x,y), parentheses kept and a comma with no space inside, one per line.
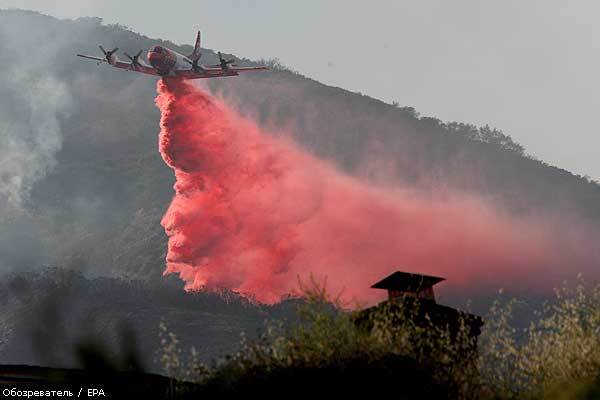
(327,346)
(556,357)
(559,351)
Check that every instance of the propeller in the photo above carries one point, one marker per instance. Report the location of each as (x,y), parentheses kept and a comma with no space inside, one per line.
(135,59)
(224,63)
(108,54)
(194,63)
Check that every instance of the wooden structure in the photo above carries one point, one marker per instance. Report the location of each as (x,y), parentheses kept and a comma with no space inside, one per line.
(411,296)
(401,284)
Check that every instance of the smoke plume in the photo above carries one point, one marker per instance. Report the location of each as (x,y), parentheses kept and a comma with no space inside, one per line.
(30,134)
(253,213)
(32,103)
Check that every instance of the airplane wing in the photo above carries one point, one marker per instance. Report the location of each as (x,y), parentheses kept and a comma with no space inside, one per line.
(93,58)
(245,69)
(144,69)
(214,68)
(215,72)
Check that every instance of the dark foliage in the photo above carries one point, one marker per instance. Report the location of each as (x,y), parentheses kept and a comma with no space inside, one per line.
(393,375)
(59,318)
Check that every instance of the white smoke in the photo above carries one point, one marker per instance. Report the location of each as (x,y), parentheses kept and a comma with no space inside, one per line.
(31,136)
(32,102)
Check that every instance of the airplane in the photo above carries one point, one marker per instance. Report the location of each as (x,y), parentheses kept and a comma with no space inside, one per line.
(165,62)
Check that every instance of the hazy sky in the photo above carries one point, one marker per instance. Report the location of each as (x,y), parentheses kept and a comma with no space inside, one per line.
(528,67)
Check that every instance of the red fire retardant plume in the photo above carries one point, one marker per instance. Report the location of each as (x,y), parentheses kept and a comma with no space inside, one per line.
(254,213)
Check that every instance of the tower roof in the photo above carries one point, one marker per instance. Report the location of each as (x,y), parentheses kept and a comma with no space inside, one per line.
(407,282)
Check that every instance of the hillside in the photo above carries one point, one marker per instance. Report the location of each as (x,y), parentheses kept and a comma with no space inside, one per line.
(92,188)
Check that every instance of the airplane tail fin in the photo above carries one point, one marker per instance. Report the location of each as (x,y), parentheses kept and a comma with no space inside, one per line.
(196,53)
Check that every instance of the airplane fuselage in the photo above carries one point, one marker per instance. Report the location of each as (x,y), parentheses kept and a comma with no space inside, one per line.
(166,60)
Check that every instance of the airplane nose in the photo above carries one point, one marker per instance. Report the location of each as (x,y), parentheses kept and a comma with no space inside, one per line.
(155,58)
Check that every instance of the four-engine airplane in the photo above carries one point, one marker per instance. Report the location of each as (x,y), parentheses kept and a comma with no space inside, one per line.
(167,62)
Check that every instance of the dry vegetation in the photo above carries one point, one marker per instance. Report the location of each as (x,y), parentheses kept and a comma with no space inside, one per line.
(556,357)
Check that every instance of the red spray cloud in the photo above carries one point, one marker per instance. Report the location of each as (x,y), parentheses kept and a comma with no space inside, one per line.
(253,213)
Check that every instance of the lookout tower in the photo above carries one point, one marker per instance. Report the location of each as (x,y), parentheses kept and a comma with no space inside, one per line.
(404,284)
(411,296)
